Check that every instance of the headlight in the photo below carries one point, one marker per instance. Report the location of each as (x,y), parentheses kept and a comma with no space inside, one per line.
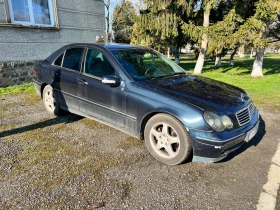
(218,123)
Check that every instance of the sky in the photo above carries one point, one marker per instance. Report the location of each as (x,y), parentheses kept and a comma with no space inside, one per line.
(113,3)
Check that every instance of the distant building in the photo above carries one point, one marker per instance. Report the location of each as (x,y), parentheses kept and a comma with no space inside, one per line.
(32,29)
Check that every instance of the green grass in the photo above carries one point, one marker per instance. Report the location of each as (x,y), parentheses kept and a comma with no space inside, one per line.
(265,91)
(25,88)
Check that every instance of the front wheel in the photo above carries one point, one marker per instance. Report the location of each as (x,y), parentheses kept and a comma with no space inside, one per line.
(167,139)
(49,101)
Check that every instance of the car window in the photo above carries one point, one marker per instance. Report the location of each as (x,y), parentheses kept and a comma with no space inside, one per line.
(97,65)
(72,58)
(58,61)
(144,64)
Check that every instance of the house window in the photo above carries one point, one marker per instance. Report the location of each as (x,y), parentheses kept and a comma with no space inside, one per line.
(31,12)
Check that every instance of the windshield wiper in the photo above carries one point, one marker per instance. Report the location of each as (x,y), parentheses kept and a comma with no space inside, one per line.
(179,73)
(168,75)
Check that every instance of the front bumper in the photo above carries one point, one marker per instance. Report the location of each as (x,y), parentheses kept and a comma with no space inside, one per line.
(214,146)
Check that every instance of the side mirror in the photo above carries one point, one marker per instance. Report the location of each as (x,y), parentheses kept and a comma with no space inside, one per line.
(113,81)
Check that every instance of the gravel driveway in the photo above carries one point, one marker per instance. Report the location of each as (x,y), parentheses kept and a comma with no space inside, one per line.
(70,162)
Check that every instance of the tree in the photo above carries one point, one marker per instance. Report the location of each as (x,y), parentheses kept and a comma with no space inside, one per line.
(123,20)
(220,21)
(257,29)
(158,24)
(267,12)
(208,5)
(220,34)
(218,25)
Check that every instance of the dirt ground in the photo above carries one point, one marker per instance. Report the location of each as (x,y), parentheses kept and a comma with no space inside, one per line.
(70,162)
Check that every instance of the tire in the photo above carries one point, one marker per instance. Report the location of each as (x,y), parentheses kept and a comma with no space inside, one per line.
(167,139)
(50,103)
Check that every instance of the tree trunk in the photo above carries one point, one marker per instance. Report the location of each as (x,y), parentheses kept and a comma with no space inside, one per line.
(241,52)
(168,52)
(258,63)
(202,54)
(218,59)
(231,56)
(252,53)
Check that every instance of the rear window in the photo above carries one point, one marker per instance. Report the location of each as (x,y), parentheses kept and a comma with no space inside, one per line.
(58,61)
(72,58)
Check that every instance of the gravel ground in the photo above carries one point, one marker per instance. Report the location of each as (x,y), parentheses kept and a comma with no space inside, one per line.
(70,162)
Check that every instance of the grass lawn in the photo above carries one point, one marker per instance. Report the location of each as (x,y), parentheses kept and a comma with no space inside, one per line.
(264,91)
(26,88)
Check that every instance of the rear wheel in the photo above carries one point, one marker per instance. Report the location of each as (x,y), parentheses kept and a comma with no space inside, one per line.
(49,101)
(167,139)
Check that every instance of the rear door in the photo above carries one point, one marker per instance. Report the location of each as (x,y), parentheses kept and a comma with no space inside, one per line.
(99,100)
(64,72)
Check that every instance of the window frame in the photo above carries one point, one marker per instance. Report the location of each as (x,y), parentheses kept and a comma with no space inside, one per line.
(54,60)
(83,69)
(31,14)
(63,53)
(80,61)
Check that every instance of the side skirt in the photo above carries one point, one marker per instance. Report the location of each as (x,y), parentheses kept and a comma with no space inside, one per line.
(126,131)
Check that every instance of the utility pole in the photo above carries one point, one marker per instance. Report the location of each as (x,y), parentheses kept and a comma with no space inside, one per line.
(107,19)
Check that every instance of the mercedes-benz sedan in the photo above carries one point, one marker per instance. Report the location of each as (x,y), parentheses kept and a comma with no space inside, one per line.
(144,94)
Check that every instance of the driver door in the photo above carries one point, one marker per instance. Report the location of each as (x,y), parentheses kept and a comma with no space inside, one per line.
(100,100)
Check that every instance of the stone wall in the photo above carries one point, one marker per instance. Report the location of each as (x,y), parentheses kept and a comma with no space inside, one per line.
(15,73)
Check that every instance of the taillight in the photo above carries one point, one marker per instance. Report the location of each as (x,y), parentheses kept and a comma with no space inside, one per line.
(34,71)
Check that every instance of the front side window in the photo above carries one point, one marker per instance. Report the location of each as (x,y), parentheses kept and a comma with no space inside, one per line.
(97,65)
(31,12)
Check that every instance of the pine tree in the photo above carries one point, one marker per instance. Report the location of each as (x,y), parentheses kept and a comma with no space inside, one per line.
(123,20)
(257,30)
(220,21)
(158,24)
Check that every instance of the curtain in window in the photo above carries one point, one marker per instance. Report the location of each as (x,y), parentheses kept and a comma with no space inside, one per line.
(41,12)
(21,10)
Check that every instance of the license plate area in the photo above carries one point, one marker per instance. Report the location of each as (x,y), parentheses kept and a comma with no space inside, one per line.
(252,133)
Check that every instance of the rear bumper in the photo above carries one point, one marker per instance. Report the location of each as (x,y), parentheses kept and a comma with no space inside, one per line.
(213,146)
(37,86)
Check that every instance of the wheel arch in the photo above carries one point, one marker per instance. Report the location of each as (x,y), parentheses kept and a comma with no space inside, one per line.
(148,116)
(42,88)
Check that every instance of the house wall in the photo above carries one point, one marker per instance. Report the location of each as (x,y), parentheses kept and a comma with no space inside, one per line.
(78,21)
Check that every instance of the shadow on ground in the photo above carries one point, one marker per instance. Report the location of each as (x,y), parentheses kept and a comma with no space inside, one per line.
(64,118)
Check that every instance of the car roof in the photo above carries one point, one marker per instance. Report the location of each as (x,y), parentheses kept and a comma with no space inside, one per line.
(108,46)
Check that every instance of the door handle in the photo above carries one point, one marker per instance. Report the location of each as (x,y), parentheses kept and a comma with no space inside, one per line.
(54,73)
(82,82)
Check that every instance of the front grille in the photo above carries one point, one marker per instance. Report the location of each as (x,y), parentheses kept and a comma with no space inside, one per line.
(245,115)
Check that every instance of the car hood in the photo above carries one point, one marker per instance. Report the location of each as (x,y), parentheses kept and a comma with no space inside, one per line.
(205,93)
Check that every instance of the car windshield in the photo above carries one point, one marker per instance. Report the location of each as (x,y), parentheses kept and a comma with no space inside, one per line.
(143,64)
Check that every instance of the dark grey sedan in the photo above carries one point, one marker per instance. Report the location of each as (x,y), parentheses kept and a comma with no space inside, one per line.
(139,91)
